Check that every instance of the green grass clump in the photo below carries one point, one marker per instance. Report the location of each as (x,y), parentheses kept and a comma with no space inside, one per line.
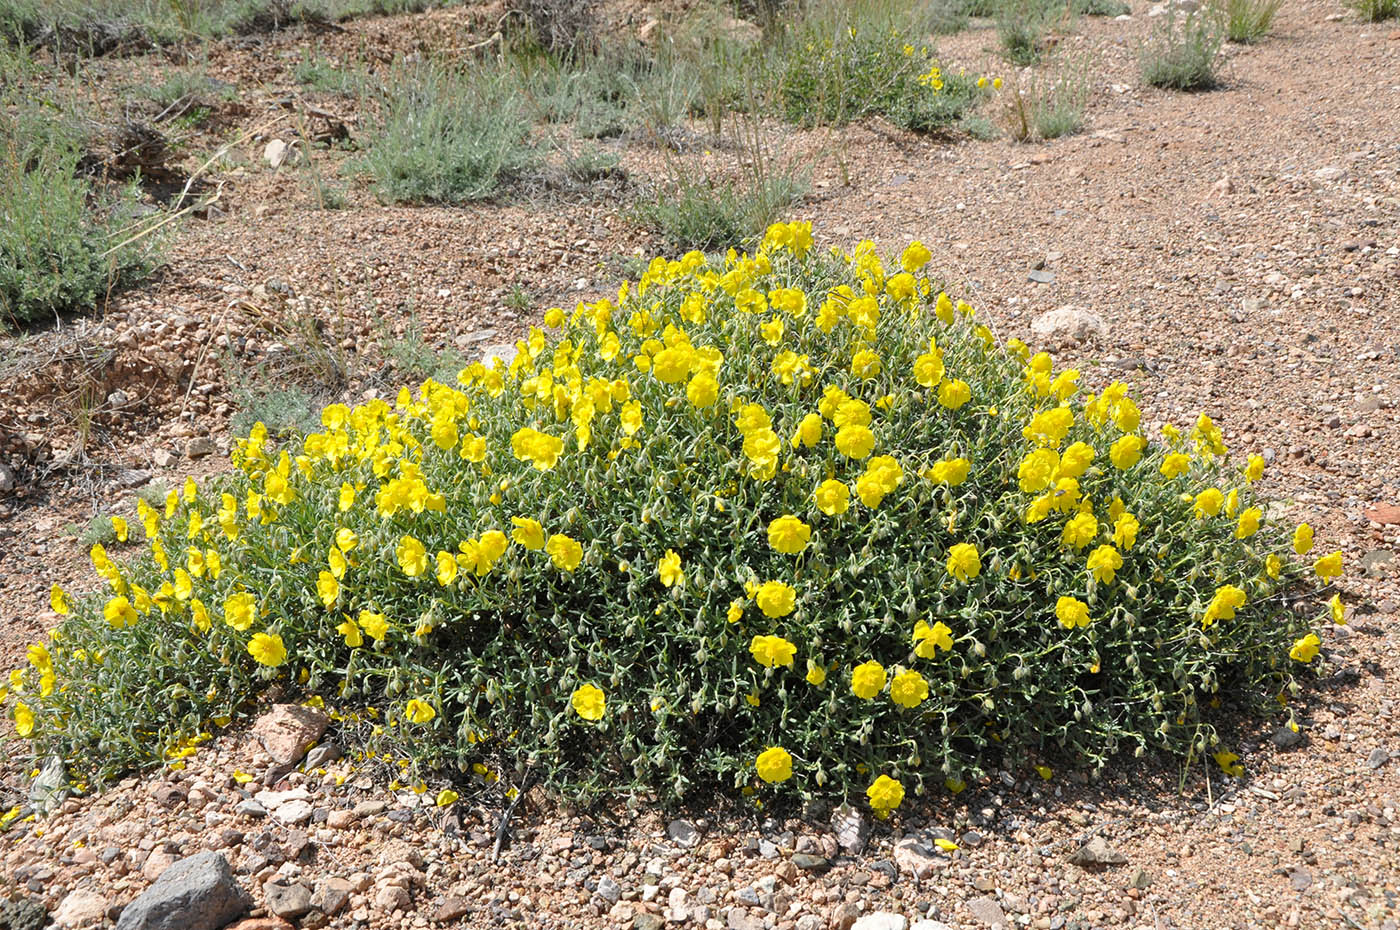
(1023,27)
(63,242)
(1250,20)
(792,521)
(1374,11)
(1182,52)
(710,213)
(447,136)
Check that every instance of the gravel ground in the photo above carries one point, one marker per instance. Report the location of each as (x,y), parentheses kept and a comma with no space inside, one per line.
(1242,248)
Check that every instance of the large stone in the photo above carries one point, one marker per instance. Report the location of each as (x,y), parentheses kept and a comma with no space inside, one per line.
(683,833)
(851,827)
(289,901)
(1097,854)
(81,908)
(332,895)
(197,893)
(1069,325)
(989,912)
(287,731)
(918,856)
(880,920)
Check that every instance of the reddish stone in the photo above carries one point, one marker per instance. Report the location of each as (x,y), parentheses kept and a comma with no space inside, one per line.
(1388,514)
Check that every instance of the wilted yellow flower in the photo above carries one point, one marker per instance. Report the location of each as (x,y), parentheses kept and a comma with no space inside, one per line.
(447,796)
(267,649)
(885,795)
(1306,649)
(1229,763)
(771,651)
(789,535)
(351,631)
(1125,530)
(418,711)
(816,673)
(376,625)
(58,600)
(774,765)
(736,610)
(867,679)
(1303,539)
(589,702)
(1329,567)
(964,564)
(1339,611)
(775,599)
(1273,566)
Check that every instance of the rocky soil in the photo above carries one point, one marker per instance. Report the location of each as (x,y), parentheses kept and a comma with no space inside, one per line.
(1236,252)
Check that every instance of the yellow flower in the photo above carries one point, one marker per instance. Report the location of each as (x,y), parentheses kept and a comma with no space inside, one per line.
(1273,566)
(1208,503)
(736,610)
(1229,763)
(328,588)
(267,649)
(1044,772)
(120,528)
(589,702)
(446,797)
(346,498)
(1248,523)
(1126,451)
(1176,464)
(929,639)
(867,679)
(816,673)
(964,564)
(1125,530)
(832,497)
(527,532)
(58,600)
(809,431)
(1037,470)
(346,540)
(928,368)
(417,711)
(24,720)
(788,534)
(908,689)
(1303,539)
(1339,611)
(376,625)
(885,795)
(865,364)
(1306,649)
(539,449)
(669,569)
(120,613)
(776,599)
(412,557)
(240,610)
(1329,567)
(1254,469)
(1223,605)
(446,568)
(774,765)
(1071,612)
(915,256)
(770,651)
(1075,460)
(854,441)
(1081,530)
(351,631)
(772,331)
(703,390)
(951,472)
(1103,563)
(564,553)
(337,562)
(953,394)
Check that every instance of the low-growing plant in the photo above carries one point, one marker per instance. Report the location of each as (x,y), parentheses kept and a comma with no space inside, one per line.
(447,136)
(1101,7)
(1374,11)
(1047,104)
(787,522)
(1249,20)
(65,243)
(591,164)
(1023,27)
(1181,52)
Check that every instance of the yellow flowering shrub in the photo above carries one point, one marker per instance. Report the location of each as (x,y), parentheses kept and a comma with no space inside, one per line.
(780,518)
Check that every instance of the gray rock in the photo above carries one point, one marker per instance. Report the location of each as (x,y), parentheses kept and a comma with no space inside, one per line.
(275,153)
(881,920)
(250,808)
(199,447)
(988,911)
(1069,324)
(740,919)
(196,893)
(505,353)
(917,856)
(1301,879)
(1097,854)
(1378,757)
(810,922)
(811,863)
(322,755)
(609,890)
(645,921)
(1041,276)
(332,895)
(289,901)
(1285,737)
(683,833)
(930,925)
(852,829)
